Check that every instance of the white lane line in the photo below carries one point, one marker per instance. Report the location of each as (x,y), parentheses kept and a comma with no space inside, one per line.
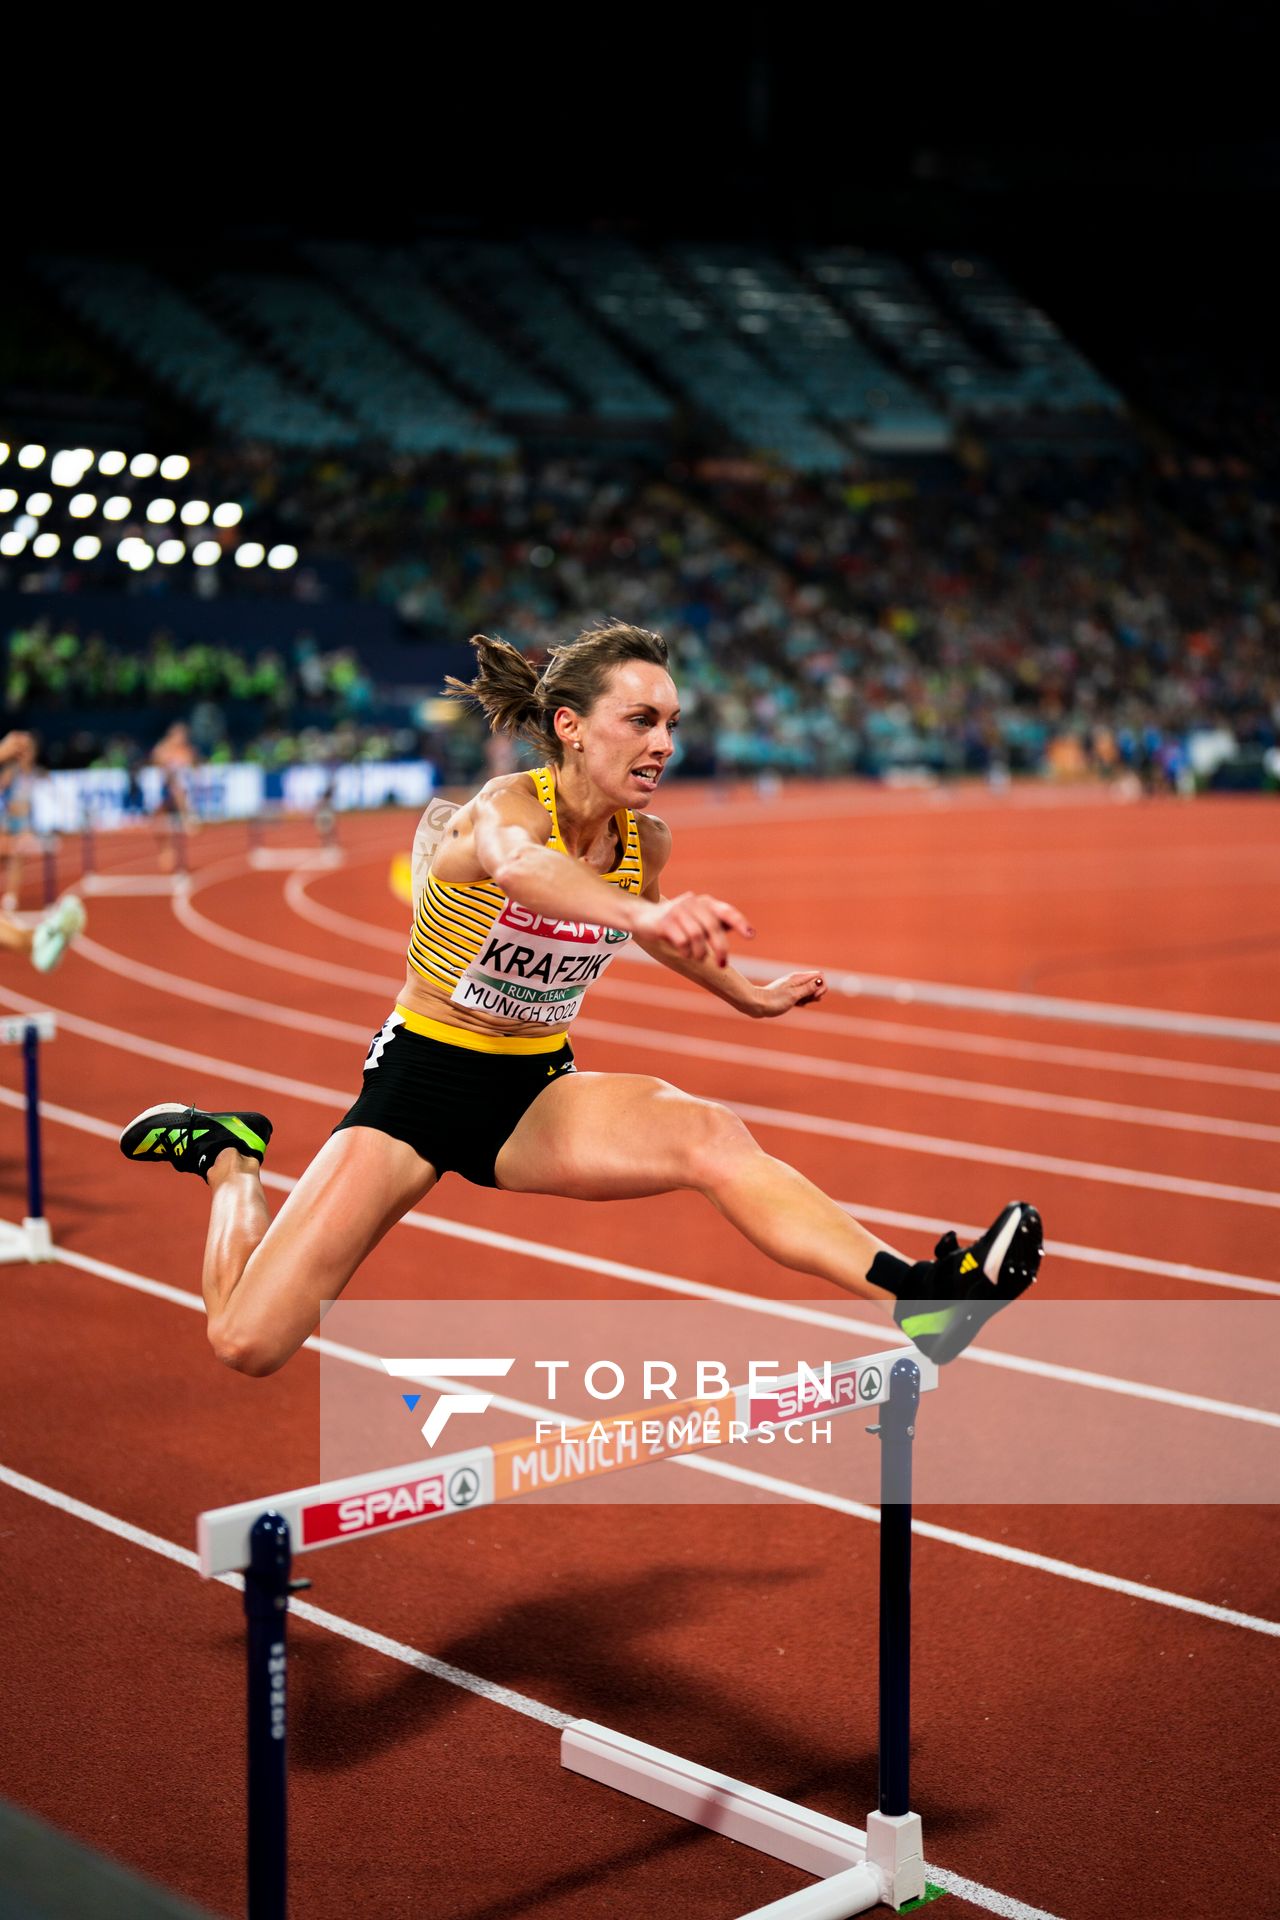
(659,1282)
(771,1483)
(774,1060)
(1001,1904)
(975,1092)
(947,1149)
(818,1020)
(987,1356)
(281,958)
(334,1623)
(338,1099)
(989,1898)
(143,975)
(1028,1005)
(185,1058)
(939,1146)
(999,1550)
(1031,1006)
(330,920)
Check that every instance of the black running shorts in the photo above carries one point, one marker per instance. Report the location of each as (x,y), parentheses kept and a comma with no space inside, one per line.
(453,1105)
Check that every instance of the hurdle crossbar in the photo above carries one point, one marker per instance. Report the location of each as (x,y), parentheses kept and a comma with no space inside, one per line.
(859,1869)
(32,1240)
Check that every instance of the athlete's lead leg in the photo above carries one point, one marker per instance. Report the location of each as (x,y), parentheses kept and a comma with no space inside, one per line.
(616,1136)
(605,1136)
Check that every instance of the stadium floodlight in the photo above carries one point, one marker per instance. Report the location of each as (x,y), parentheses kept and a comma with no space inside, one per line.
(39,503)
(281,557)
(68,468)
(194,513)
(158,511)
(207,553)
(251,554)
(4,451)
(81,505)
(87,547)
(116,508)
(112,463)
(31,455)
(135,553)
(175,466)
(143,465)
(45,546)
(12,543)
(229,514)
(27,525)
(8,499)
(169,552)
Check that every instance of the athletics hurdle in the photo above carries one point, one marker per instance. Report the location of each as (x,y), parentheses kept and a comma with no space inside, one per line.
(857,1869)
(32,1240)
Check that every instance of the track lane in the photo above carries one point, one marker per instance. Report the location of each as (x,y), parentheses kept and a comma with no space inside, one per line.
(494,1200)
(1209,1250)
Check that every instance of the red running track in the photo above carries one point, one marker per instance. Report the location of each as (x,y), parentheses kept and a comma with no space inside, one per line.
(1082,1746)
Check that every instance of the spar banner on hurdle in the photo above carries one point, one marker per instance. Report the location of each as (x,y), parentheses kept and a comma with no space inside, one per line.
(556,1455)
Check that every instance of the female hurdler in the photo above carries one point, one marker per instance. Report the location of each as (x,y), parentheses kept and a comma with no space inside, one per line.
(537,883)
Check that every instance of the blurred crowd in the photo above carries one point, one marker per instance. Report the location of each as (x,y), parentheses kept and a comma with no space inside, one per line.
(1087,618)
(236,703)
(961,616)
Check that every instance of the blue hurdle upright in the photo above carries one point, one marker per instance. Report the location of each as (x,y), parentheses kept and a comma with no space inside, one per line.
(855,1870)
(32,1240)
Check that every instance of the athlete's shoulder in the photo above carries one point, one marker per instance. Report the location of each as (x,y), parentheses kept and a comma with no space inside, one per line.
(513,795)
(655,841)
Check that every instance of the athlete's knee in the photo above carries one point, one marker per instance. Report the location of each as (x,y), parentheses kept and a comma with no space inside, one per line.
(718,1144)
(245,1349)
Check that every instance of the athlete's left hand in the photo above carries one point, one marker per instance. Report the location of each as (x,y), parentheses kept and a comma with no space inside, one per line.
(793,990)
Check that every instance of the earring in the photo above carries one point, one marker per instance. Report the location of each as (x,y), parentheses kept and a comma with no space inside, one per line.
(577,746)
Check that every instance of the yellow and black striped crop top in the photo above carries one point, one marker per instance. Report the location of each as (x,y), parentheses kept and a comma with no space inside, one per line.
(504,961)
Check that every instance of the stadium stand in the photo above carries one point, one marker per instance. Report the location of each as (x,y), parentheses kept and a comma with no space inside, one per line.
(1045,370)
(696,352)
(811,343)
(388,282)
(510,284)
(179,346)
(773,482)
(393,398)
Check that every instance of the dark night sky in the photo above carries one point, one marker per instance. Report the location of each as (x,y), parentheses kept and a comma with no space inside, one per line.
(1122,159)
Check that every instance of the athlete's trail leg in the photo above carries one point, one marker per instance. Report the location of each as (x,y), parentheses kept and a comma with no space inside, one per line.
(265,1281)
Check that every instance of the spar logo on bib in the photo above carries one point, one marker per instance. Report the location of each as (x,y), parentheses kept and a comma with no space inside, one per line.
(535,968)
(524,920)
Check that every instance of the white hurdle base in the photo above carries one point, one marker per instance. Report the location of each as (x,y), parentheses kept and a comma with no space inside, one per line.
(843,1895)
(288,859)
(134,886)
(859,1870)
(31,1241)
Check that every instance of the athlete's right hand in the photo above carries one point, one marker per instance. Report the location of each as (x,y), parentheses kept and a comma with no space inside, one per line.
(694,924)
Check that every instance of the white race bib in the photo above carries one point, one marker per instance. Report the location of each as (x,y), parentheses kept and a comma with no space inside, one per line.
(535,969)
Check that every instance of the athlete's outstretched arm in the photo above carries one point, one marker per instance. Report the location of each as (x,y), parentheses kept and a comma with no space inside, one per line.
(758,1002)
(508,844)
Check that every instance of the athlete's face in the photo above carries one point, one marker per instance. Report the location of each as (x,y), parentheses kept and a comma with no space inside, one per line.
(628,737)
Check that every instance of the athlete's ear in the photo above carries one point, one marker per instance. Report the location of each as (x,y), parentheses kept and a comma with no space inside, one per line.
(568,726)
